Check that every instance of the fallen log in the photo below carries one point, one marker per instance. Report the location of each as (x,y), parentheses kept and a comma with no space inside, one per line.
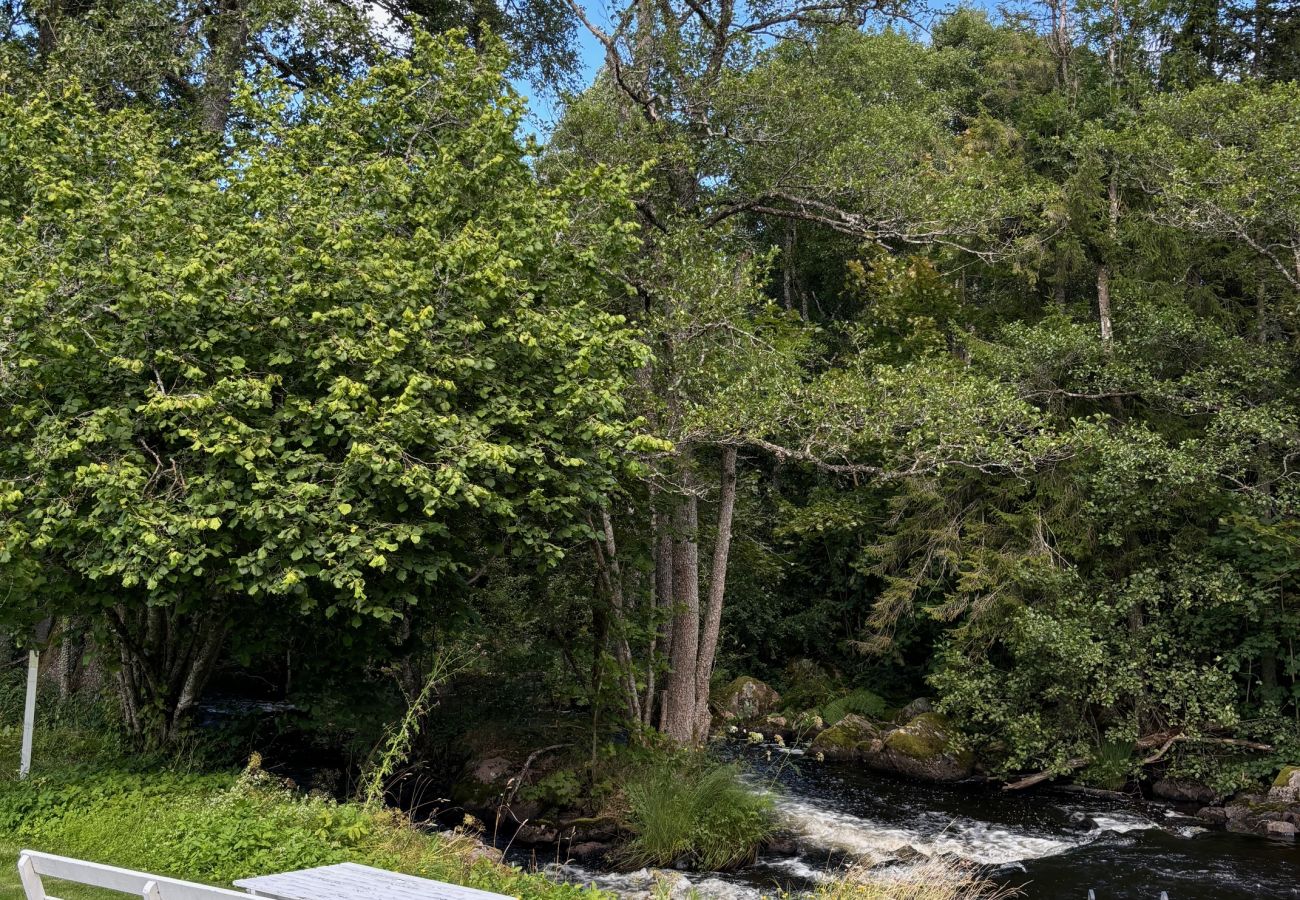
(1163,740)
(1038,778)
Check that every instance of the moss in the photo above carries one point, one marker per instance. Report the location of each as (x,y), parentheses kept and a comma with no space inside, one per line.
(1284,777)
(836,737)
(737,686)
(745,686)
(925,737)
(746,699)
(850,734)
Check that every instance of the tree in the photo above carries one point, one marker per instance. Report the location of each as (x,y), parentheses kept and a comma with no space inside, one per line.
(336,369)
(745,139)
(188,56)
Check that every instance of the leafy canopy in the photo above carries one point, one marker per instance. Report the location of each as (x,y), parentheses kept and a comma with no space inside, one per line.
(338,362)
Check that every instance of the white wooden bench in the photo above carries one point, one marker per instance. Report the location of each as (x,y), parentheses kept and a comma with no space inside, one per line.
(352,881)
(32,865)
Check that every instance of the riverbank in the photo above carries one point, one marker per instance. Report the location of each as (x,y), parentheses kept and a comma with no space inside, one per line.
(216,828)
(90,799)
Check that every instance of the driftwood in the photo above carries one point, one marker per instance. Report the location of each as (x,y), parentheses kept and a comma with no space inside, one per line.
(1162,740)
(1226,742)
(1038,778)
(528,764)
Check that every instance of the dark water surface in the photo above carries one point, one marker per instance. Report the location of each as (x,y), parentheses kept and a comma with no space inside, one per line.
(1053,844)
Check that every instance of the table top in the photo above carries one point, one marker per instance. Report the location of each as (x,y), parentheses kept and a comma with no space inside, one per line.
(352,881)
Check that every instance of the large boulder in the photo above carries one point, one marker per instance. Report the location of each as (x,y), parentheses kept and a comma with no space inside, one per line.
(1182,790)
(852,737)
(483,783)
(923,748)
(746,700)
(1286,787)
(912,710)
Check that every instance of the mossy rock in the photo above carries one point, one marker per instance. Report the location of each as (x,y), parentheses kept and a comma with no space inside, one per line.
(923,748)
(746,700)
(909,712)
(850,738)
(474,795)
(1286,786)
(924,737)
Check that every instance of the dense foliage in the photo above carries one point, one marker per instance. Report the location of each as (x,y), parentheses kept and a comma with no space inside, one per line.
(318,372)
(870,362)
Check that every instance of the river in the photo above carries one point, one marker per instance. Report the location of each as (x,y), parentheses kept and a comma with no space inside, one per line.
(1050,844)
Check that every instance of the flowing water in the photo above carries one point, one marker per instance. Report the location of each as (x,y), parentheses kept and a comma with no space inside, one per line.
(1053,845)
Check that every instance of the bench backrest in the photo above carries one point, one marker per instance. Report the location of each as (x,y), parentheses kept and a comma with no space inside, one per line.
(33,864)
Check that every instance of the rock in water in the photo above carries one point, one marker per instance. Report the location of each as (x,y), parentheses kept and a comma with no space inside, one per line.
(746,700)
(1286,787)
(923,748)
(852,737)
(1182,790)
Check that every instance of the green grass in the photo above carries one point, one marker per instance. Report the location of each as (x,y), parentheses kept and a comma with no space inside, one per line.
(688,806)
(216,828)
(89,798)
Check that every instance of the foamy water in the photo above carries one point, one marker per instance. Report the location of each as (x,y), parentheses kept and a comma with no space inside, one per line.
(900,838)
(975,841)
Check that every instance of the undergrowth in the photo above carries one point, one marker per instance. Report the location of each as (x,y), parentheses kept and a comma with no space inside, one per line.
(89,798)
(861,702)
(688,807)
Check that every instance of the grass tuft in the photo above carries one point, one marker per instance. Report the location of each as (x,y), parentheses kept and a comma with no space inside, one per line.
(933,879)
(688,807)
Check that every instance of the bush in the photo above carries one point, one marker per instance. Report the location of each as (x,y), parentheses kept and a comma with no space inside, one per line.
(807,686)
(685,806)
(861,702)
(1112,764)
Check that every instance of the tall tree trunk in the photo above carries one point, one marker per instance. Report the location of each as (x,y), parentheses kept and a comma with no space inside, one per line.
(1103,302)
(712,619)
(664,597)
(612,575)
(1103,270)
(48,15)
(661,595)
(227,46)
(1060,43)
(71,651)
(679,693)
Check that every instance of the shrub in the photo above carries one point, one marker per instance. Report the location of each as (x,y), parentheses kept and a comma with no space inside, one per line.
(691,807)
(807,686)
(861,702)
(1112,764)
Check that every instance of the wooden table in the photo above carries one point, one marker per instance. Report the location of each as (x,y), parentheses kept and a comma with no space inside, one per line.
(351,881)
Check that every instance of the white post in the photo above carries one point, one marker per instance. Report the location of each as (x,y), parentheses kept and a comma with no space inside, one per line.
(29,712)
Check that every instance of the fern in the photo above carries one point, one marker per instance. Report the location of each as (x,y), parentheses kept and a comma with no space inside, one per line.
(861,702)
